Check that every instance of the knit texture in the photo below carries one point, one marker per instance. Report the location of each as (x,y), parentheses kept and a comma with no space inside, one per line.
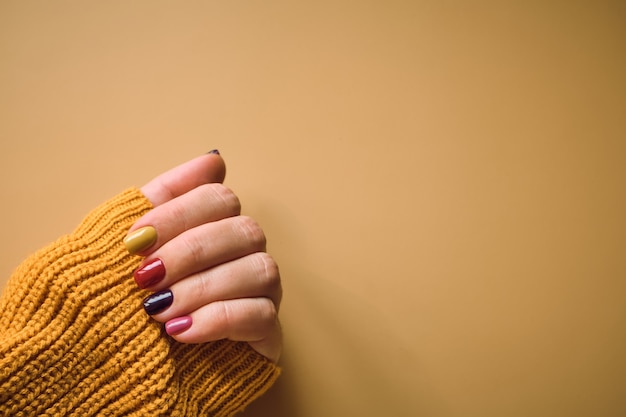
(75,340)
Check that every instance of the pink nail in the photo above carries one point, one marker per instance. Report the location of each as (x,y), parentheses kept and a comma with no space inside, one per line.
(178,325)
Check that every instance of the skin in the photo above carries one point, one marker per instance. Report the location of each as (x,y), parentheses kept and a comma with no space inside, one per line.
(215,259)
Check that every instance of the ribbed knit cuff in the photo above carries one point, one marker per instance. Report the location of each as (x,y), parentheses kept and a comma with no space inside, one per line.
(75,340)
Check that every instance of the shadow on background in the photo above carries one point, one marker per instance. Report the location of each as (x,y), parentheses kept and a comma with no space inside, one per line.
(342,354)
(346,357)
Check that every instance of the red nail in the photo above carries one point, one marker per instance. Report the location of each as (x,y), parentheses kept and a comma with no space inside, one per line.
(178,325)
(150,273)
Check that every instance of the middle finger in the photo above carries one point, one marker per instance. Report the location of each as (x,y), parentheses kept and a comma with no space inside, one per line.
(199,248)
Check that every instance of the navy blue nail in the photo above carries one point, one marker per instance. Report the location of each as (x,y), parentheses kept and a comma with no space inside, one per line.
(214,152)
(158,302)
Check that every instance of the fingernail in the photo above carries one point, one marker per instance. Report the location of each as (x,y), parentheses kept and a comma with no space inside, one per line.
(214,152)
(150,273)
(178,325)
(140,239)
(158,302)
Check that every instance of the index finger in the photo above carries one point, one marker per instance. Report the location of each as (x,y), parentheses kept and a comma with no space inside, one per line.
(205,169)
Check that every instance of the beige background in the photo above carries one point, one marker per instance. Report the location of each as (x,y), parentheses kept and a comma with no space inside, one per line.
(442,183)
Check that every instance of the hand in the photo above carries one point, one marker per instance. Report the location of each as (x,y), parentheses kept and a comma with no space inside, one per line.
(206,264)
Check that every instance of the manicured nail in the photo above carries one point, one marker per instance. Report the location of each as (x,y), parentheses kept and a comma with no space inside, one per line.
(150,273)
(178,325)
(140,239)
(158,302)
(214,152)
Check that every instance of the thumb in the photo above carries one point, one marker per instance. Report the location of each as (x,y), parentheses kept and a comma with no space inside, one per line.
(209,168)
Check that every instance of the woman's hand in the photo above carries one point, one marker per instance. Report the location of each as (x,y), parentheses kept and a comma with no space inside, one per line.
(204,262)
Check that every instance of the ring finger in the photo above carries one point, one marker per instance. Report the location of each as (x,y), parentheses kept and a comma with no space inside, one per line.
(252,276)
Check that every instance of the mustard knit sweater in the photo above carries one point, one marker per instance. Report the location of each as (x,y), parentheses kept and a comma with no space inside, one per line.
(74,339)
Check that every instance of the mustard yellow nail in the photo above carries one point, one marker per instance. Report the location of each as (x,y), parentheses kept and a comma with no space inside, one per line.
(140,239)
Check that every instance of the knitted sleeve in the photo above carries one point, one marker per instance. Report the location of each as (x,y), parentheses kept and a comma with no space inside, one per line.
(75,341)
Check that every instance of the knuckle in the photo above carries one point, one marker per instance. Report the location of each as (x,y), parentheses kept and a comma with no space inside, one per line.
(202,287)
(224,316)
(250,319)
(180,214)
(221,321)
(226,197)
(252,232)
(268,314)
(268,273)
(194,245)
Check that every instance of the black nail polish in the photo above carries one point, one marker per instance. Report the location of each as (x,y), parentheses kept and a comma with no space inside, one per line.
(214,152)
(158,302)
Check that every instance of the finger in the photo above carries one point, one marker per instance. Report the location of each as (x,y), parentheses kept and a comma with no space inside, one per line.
(204,169)
(200,248)
(252,276)
(205,203)
(252,320)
